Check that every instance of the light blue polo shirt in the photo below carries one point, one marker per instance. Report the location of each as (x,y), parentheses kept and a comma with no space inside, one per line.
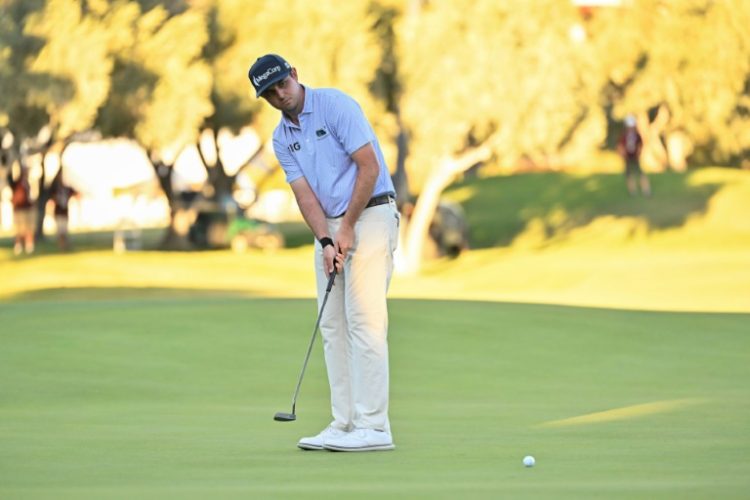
(331,127)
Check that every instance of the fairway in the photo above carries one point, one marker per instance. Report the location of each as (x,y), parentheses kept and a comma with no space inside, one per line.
(174,398)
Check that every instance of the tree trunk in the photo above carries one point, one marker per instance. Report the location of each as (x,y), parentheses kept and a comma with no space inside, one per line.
(399,178)
(43,196)
(6,154)
(679,147)
(417,230)
(181,217)
(258,158)
(221,184)
(654,154)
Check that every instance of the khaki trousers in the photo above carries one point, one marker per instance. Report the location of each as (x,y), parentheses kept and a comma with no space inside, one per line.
(354,325)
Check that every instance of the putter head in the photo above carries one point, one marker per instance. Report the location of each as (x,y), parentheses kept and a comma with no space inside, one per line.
(285,417)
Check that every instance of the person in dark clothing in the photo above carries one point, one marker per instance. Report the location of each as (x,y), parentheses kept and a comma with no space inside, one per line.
(61,195)
(629,146)
(24,215)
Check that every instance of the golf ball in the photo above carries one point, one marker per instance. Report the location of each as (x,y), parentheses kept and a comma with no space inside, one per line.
(529,461)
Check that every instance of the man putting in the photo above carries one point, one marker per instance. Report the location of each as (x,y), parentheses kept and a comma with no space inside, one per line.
(335,167)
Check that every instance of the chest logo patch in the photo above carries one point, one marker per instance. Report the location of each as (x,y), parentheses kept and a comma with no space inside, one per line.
(320,133)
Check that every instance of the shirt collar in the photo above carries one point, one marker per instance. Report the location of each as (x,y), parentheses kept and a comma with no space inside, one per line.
(307,108)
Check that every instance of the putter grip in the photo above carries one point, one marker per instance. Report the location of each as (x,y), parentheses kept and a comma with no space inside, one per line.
(330,280)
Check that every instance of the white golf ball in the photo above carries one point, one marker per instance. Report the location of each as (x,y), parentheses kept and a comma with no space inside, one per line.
(529,461)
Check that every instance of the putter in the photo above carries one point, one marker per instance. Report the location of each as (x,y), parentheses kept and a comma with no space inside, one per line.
(290,417)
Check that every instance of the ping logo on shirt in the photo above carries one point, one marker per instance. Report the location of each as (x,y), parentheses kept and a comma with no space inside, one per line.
(294,147)
(320,133)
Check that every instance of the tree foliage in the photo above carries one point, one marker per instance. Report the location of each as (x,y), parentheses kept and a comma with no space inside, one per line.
(489,79)
(330,43)
(75,58)
(161,85)
(691,61)
(446,84)
(55,68)
(501,72)
(466,73)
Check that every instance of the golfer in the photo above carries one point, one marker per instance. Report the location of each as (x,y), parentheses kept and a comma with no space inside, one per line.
(335,167)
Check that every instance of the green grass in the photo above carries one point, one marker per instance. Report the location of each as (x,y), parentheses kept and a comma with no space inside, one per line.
(155,375)
(174,398)
(536,238)
(499,209)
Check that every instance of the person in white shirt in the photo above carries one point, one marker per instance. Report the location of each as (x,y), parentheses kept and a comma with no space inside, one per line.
(335,167)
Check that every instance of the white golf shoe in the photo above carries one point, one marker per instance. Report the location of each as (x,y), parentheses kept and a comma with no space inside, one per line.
(360,440)
(316,442)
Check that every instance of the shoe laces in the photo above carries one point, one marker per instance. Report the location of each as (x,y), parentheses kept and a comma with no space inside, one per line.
(332,431)
(362,432)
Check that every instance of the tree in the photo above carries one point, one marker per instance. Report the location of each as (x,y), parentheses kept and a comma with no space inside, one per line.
(489,79)
(692,95)
(59,76)
(15,80)
(22,100)
(160,89)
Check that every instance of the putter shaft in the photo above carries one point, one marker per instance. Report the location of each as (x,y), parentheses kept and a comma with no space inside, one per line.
(309,350)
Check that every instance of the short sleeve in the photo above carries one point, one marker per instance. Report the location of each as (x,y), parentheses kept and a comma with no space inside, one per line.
(290,167)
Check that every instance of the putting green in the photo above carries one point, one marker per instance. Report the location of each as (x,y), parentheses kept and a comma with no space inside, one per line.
(164,398)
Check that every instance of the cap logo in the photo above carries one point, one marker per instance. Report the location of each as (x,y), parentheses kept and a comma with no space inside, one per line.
(257,80)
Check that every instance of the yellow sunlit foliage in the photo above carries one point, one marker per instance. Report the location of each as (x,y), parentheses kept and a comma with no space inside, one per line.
(329,42)
(161,83)
(74,59)
(501,72)
(171,48)
(691,60)
(537,80)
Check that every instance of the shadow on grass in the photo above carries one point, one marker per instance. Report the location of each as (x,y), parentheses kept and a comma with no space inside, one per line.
(155,294)
(500,208)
